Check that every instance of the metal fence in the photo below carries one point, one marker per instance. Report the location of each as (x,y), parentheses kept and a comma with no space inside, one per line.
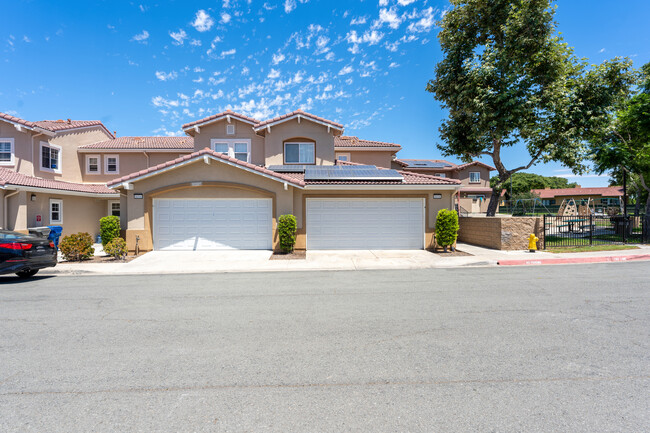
(575,231)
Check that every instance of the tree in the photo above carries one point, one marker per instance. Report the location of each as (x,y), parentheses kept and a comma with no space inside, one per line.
(520,184)
(508,79)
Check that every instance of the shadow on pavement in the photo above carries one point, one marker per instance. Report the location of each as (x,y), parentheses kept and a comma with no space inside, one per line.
(13,279)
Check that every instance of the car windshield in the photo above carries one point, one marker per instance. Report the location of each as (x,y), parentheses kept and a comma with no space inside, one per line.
(6,235)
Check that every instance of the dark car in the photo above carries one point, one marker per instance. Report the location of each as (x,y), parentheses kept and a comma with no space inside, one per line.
(24,255)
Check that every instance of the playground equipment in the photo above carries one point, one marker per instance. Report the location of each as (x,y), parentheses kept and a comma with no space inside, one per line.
(587,208)
(568,208)
(526,206)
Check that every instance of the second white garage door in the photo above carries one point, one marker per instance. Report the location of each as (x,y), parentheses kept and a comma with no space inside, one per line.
(212,224)
(365,223)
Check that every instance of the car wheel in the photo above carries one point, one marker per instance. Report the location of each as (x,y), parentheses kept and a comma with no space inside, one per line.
(27,274)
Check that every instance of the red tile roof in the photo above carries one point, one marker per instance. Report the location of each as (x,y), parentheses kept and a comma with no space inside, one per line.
(468,164)
(219,115)
(195,155)
(350,141)
(17,120)
(295,113)
(9,177)
(55,125)
(607,191)
(185,143)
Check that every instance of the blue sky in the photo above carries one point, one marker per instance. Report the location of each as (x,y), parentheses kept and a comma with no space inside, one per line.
(147,67)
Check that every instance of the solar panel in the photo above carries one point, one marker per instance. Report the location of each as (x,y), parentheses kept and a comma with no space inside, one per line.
(287,168)
(358,172)
(426,164)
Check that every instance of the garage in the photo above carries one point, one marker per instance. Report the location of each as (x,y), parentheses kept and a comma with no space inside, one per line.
(365,223)
(212,224)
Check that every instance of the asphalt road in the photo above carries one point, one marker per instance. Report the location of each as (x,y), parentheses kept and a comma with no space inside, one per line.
(542,349)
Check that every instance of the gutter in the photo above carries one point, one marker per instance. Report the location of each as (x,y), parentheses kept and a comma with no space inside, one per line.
(383,187)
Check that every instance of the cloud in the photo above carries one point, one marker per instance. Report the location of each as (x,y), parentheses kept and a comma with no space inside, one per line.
(225,18)
(387,16)
(346,70)
(195,42)
(383,2)
(358,21)
(228,53)
(602,50)
(268,7)
(405,2)
(159,101)
(203,22)
(289,5)
(141,37)
(178,37)
(393,65)
(425,23)
(166,76)
(278,58)
(273,74)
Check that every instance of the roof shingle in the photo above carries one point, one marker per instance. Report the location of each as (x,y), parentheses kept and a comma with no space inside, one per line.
(184,143)
(295,113)
(9,177)
(607,191)
(219,115)
(351,141)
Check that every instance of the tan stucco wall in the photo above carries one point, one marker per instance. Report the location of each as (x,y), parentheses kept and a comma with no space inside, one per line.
(22,143)
(129,162)
(80,214)
(463,176)
(287,131)
(501,233)
(16,211)
(378,158)
(242,130)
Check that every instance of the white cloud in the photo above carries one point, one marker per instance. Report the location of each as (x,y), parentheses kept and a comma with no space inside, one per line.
(159,101)
(195,43)
(203,22)
(346,70)
(602,50)
(273,74)
(26,39)
(289,5)
(358,21)
(166,76)
(245,70)
(225,17)
(278,58)
(141,37)
(383,2)
(393,65)
(228,53)
(387,16)
(405,2)
(178,37)
(268,6)
(199,69)
(425,23)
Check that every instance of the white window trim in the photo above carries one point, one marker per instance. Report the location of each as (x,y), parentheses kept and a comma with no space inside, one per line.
(117,164)
(60,203)
(441,175)
(99,164)
(231,145)
(50,146)
(228,126)
(284,152)
(12,161)
(110,207)
(475,181)
(347,155)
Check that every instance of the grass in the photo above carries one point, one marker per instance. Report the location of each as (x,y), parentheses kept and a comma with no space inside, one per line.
(587,248)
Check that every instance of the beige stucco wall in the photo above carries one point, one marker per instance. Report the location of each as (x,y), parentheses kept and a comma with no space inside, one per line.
(242,130)
(501,233)
(463,176)
(378,158)
(290,130)
(16,211)
(22,143)
(80,214)
(129,162)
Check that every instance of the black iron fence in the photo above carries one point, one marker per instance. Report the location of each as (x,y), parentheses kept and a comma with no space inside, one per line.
(575,231)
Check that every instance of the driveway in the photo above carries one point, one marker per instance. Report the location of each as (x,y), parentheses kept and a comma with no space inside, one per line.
(450,350)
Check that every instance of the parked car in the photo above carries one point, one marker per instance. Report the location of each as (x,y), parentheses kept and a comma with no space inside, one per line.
(24,255)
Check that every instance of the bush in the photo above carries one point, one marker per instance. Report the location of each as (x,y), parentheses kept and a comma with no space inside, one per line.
(109,228)
(287,227)
(446,227)
(116,248)
(77,247)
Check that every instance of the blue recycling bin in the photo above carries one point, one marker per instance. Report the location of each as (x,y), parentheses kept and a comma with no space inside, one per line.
(55,234)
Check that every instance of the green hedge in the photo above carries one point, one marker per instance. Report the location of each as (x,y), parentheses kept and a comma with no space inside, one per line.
(116,248)
(77,247)
(446,227)
(287,227)
(109,229)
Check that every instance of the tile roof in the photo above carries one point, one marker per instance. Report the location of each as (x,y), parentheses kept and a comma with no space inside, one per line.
(410,163)
(143,143)
(54,125)
(467,164)
(9,177)
(410,178)
(220,115)
(295,113)
(206,151)
(350,141)
(17,120)
(607,191)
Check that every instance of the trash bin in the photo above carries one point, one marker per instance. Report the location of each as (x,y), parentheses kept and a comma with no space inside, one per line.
(55,234)
(42,232)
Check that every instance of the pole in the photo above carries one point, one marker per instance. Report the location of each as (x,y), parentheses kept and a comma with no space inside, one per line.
(624,205)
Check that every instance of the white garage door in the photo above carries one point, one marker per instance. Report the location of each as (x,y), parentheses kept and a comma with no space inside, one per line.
(212,224)
(365,223)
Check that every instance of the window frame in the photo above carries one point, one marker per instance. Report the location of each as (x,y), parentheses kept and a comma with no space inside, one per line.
(231,142)
(284,153)
(110,207)
(60,157)
(442,175)
(12,160)
(60,203)
(343,154)
(99,164)
(234,129)
(474,181)
(117,164)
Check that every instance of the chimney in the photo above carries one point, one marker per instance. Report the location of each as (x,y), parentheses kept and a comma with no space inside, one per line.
(69,121)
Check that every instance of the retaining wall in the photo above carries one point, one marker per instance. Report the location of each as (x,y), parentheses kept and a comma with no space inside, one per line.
(500,233)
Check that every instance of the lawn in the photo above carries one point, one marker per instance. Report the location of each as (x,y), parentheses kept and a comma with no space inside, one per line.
(587,248)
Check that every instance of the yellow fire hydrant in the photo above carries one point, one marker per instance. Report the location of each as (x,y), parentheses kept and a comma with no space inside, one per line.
(532,243)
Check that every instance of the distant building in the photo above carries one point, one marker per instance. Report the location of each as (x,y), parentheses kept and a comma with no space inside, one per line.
(602,196)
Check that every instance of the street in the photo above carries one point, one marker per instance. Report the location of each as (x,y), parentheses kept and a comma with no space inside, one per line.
(534,349)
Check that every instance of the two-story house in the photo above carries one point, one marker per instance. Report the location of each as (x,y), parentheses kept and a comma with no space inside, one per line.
(223,185)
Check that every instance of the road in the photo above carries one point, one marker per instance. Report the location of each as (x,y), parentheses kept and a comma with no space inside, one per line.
(542,349)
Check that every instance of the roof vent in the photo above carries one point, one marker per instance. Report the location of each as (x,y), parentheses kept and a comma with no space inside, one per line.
(69,121)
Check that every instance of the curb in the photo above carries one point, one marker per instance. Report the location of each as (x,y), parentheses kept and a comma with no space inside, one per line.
(572,260)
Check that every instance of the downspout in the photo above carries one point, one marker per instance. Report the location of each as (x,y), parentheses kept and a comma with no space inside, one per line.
(147,155)
(4,225)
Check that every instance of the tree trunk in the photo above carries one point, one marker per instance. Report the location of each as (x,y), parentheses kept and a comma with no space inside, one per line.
(494,202)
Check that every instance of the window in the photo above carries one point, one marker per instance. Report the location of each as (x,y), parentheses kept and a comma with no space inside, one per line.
(441,175)
(50,157)
(299,153)
(56,211)
(476,196)
(235,148)
(230,129)
(343,156)
(6,151)
(92,164)
(112,164)
(474,177)
(114,208)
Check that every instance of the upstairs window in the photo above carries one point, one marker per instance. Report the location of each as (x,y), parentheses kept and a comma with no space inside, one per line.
(92,164)
(299,153)
(474,177)
(221,148)
(112,164)
(343,156)
(50,157)
(234,148)
(6,151)
(241,151)
(441,175)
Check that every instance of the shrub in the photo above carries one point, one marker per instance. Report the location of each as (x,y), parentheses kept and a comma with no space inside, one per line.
(77,247)
(109,228)
(116,248)
(287,227)
(446,227)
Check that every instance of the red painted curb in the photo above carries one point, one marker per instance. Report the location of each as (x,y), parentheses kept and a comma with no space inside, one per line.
(528,262)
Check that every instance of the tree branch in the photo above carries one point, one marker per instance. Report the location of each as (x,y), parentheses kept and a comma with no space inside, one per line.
(530,164)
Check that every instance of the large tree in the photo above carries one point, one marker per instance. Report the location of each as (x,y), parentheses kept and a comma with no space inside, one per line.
(521,184)
(508,79)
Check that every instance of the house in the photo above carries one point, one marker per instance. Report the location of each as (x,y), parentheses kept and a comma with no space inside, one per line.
(223,185)
(474,193)
(601,196)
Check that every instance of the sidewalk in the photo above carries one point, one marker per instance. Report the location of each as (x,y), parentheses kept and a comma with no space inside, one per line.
(174,262)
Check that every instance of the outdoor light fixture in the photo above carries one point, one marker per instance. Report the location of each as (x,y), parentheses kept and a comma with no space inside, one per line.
(33,197)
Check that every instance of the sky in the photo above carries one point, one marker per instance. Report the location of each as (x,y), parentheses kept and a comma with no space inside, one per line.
(147,67)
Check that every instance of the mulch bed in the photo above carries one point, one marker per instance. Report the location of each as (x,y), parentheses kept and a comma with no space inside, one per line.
(105,259)
(449,252)
(296,255)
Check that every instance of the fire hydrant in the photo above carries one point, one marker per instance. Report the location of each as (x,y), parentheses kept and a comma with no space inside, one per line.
(532,243)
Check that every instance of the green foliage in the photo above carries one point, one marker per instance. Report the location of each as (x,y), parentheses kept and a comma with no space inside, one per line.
(507,78)
(77,247)
(116,248)
(446,227)
(523,183)
(109,228)
(287,227)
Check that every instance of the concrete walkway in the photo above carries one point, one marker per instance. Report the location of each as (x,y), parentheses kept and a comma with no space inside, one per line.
(175,262)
